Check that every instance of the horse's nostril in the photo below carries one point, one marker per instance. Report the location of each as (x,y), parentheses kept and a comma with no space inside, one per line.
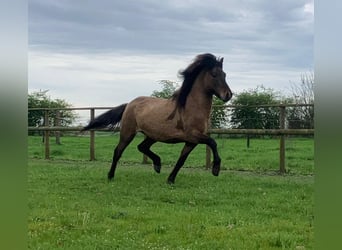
(228,96)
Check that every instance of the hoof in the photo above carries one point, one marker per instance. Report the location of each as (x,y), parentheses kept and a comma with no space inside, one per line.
(216,167)
(170,182)
(110,177)
(157,168)
(215,171)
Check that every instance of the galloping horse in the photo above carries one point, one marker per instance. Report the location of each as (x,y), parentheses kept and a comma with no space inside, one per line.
(182,118)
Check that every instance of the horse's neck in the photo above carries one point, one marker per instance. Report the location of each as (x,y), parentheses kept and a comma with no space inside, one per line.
(199,100)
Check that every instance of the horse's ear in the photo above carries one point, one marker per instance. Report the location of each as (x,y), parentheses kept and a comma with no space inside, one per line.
(221,62)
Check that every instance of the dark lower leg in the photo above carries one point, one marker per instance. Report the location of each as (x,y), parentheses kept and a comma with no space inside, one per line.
(204,139)
(144,147)
(184,155)
(116,157)
(217,160)
(117,154)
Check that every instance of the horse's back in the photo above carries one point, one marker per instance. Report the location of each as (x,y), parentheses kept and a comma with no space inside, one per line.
(150,115)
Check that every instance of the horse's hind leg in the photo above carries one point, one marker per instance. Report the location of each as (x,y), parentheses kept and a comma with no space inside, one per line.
(184,154)
(144,147)
(123,143)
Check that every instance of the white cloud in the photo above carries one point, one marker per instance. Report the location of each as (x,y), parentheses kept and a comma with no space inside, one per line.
(309,7)
(100,79)
(104,53)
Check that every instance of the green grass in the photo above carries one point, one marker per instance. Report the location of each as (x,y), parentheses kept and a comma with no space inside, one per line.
(72,206)
(262,156)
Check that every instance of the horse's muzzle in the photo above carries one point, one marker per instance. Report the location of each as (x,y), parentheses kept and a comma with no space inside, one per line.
(227,97)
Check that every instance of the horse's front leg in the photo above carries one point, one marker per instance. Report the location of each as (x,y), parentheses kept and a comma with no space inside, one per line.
(204,139)
(184,154)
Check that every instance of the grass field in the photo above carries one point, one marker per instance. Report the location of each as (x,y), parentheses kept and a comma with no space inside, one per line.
(72,206)
(262,156)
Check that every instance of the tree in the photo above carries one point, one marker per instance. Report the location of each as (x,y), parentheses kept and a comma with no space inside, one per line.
(40,99)
(37,100)
(168,88)
(218,115)
(302,93)
(249,115)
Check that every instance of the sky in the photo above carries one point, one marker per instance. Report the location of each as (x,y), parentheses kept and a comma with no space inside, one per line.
(107,52)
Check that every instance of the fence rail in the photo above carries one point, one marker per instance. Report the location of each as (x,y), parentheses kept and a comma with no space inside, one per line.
(211,131)
(282,132)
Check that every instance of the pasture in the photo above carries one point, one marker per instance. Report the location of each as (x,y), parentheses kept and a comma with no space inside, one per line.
(261,156)
(72,206)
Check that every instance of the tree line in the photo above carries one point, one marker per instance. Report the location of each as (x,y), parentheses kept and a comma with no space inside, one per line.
(41,99)
(245,115)
(248,112)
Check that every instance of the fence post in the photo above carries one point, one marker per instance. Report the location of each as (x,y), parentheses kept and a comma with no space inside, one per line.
(282,141)
(207,149)
(46,134)
(58,124)
(144,159)
(92,136)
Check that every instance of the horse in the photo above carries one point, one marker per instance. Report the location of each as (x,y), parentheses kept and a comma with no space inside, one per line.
(183,118)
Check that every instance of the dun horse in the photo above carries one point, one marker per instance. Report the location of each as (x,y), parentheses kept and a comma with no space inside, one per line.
(182,118)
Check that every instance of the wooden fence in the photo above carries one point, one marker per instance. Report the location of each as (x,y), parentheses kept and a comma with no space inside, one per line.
(282,132)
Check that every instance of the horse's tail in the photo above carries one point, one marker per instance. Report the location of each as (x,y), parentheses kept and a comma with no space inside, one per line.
(107,119)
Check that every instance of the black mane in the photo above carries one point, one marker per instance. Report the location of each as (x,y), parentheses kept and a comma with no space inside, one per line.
(202,62)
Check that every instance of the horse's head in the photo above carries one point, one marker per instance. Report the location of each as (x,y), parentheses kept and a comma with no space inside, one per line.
(215,81)
(208,70)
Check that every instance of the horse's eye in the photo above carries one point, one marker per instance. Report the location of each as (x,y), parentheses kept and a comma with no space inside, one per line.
(213,74)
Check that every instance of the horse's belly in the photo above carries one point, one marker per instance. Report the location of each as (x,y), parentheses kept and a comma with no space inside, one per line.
(160,130)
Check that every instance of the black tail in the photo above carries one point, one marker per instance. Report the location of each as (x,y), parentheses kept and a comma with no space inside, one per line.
(108,119)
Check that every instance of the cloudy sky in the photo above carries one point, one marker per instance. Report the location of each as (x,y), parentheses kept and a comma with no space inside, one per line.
(106,52)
